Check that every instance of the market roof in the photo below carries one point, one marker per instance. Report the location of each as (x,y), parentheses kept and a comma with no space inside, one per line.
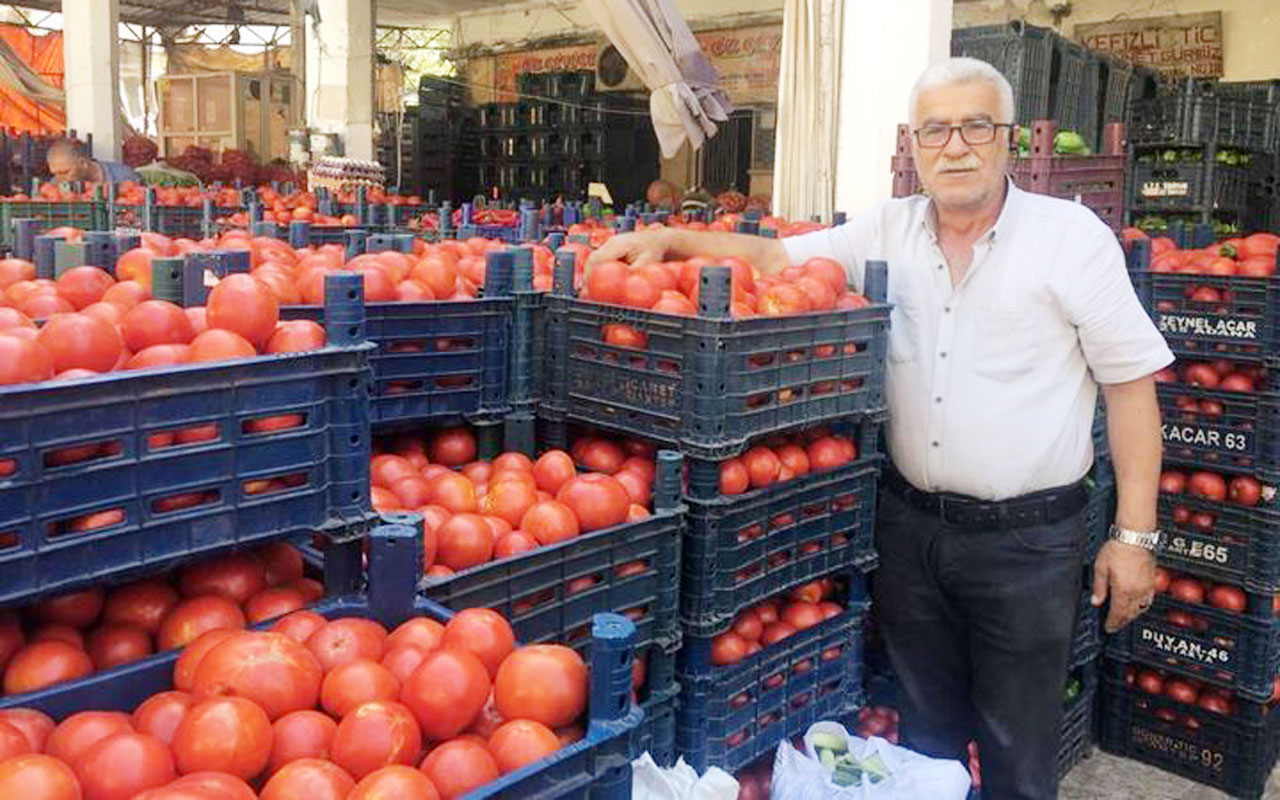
(406,13)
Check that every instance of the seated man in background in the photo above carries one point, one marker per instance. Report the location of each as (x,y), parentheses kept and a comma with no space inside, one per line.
(69,161)
(663,195)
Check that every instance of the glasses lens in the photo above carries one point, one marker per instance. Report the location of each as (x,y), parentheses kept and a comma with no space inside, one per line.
(934,135)
(978,132)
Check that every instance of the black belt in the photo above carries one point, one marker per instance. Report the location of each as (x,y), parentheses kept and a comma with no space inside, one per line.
(1038,508)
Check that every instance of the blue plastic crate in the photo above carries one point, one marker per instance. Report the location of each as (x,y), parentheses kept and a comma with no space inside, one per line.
(708,384)
(89,215)
(1241,430)
(1233,753)
(1023,54)
(741,549)
(1190,114)
(727,716)
(1086,637)
(1077,736)
(1243,325)
(657,734)
(1076,73)
(46,543)
(595,768)
(1170,186)
(184,222)
(1240,546)
(1239,652)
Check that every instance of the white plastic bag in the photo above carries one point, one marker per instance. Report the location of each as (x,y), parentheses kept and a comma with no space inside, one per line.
(680,782)
(801,776)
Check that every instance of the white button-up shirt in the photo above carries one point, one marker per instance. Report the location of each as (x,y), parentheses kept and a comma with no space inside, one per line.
(992,384)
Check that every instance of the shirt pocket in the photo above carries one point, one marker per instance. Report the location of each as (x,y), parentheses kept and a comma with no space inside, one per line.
(904,333)
(1007,343)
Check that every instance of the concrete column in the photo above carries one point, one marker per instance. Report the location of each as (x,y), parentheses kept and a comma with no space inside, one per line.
(339,74)
(91,31)
(885,47)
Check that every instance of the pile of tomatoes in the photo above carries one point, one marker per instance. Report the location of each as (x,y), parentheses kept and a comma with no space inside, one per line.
(1220,374)
(781,459)
(1247,257)
(672,287)
(1187,691)
(319,709)
(879,721)
(97,324)
(69,636)
(1240,490)
(775,619)
(1197,591)
(475,511)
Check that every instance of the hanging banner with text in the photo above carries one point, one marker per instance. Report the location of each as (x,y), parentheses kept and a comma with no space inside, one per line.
(748,60)
(1183,45)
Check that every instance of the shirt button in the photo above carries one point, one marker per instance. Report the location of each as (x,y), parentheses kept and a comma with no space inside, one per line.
(935,444)
(942,355)
(939,266)
(937,399)
(947,309)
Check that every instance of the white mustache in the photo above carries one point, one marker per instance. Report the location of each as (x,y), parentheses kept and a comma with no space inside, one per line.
(968,162)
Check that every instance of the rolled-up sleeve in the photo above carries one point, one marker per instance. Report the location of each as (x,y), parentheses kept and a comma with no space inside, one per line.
(1117,336)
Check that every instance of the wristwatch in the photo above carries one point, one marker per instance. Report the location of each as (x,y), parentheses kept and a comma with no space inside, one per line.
(1153,541)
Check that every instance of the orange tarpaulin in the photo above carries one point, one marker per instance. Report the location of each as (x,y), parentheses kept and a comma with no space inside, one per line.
(44,55)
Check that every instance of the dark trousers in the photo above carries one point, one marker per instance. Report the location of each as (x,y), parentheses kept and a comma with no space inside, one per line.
(978,628)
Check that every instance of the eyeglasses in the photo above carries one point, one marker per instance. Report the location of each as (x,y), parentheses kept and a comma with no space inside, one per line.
(973,133)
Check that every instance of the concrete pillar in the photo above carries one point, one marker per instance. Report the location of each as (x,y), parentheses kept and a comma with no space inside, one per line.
(885,47)
(339,74)
(91,32)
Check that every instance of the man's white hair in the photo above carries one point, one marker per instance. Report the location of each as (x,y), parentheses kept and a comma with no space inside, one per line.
(959,70)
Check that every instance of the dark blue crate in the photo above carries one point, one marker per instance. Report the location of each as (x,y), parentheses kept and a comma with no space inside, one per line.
(1187,114)
(1241,546)
(1076,72)
(502,233)
(728,716)
(329,451)
(1023,54)
(595,768)
(532,589)
(1100,508)
(1077,736)
(657,697)
(1241,326)
(739,550)
(435,359)
(1086,637)
(1244,434)
(708,384)
(1172,186)
(1239,652)
(1234,753)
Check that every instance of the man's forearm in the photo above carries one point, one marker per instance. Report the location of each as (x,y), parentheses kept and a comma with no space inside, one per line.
(767,254)
(1133,429)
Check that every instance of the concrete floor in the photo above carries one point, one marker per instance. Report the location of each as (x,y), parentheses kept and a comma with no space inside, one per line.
(1103,776)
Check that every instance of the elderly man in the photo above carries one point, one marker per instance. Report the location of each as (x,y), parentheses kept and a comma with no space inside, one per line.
(1009,310)
(69,161)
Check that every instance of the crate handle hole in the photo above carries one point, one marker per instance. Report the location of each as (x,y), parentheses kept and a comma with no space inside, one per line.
(273,424)
(80,454)
(98,520)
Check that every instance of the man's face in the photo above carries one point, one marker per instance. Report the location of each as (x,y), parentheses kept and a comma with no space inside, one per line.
(65,165)
(960,175)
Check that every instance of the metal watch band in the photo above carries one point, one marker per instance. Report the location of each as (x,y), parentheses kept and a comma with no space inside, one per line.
(1153,541)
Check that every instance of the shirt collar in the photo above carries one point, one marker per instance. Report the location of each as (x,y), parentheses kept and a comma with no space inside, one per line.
(1013,200)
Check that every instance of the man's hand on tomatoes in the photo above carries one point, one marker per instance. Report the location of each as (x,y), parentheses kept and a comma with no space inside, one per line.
(1128,574)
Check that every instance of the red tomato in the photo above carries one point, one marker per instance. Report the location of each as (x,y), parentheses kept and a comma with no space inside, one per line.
(299,625)
(142,604)
(606,283)
(123,764)
(446,692)
(13,742)
(83,286)
(762,466)
(386,470)
(638,489)
(80,341)
(598,501)
(734,478)
(244,305)
(184,669)
(521,742)
(223,734)
(300,734)
(775,632)
(274,671)
(73,737)
(827,453)
(216,344)
(355,683)
(13,270)
(419,631)
(452,447)
(482,631)
(309,779)
(237,577)
(33,776)
(459,766)
(546,683)
(1228,598)
(160,714)
(465,540)
(273,602)
(344,640)
(509,499)
(281,561)
(394,782)
(191,618)
(1188,590)
(77,609)
(727,648)
(42,664)
(112,645)
(33,724)
(154,322)
(802,616)
(403,660)
(455,493)
(550,522)
(599,455)
(376,735)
